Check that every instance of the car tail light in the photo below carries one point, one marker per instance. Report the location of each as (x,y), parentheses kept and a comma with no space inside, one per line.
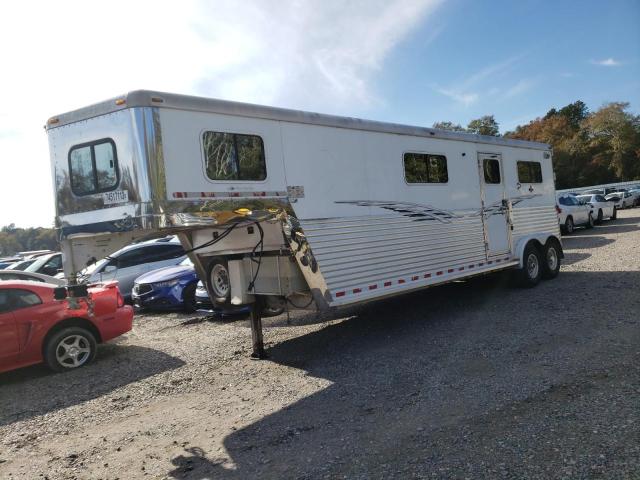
(119,298)
(558,209)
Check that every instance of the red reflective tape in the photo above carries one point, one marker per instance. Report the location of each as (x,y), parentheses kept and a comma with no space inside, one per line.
(340,294)
(450,270)
(427,275)
(387,284)
(259,194)
(357,290)
(414,278)
(234,194)
(461,269)
(373,287)
(177,194)
(439,273)
(401,281)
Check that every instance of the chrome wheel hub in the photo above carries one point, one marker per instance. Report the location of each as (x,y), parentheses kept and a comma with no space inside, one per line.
(73,351)
(532,265)
(552,258)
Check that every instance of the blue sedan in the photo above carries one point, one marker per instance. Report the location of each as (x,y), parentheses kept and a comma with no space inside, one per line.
(167,288)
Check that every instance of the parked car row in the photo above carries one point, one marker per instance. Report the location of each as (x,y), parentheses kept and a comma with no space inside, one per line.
(590,207)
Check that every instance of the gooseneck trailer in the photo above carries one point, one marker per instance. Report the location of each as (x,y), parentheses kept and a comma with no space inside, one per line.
(288,209)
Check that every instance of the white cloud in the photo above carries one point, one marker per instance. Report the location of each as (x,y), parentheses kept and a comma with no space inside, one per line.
(519,88)
(465,91)
(463,98)
(607,62)
(314,55)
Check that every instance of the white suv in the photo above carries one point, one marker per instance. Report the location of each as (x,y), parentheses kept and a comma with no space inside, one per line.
(571,213)
(130,262)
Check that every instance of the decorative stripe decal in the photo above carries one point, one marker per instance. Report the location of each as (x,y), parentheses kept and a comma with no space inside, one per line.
(401,281)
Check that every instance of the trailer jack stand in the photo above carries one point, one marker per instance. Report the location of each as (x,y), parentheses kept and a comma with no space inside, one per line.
(256,331)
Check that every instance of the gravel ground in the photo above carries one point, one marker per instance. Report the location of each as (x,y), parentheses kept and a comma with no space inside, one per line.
(470,380)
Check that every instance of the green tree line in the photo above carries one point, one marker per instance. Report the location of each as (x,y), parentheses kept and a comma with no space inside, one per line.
(589,148)
(14,240)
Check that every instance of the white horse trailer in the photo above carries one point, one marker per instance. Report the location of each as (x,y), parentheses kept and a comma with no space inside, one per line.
(281,208)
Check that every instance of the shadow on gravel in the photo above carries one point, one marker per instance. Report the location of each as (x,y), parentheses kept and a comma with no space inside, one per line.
(449,359)
(33,391)
(582,242)
(570,258)
(195,465)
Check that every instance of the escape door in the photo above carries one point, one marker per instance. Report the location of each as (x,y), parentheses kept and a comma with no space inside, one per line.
(494,204)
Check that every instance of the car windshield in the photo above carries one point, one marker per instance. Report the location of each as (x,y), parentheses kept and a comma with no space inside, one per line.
(94,266)
(39,262)
(584,198)
(20,265)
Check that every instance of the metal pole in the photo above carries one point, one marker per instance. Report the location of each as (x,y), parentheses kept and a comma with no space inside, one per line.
(256,330)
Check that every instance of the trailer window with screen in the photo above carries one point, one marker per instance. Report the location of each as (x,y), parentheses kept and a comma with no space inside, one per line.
(425,168)
(529,172)
(491,169)
(93,167)
(234,156)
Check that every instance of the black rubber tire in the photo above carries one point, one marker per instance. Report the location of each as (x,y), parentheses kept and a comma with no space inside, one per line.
(569,226)
(221,300)
(599,219)
(615,214)
(525,278)
(189,298)
(549,272)
(54,341)
(589,222)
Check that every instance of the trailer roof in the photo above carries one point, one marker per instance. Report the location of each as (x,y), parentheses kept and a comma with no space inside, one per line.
(148,98)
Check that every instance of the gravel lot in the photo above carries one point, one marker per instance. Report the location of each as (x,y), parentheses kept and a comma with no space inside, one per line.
(471,380)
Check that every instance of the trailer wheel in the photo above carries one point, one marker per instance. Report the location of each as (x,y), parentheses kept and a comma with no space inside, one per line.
(531,272)
(219,281)
(551,263)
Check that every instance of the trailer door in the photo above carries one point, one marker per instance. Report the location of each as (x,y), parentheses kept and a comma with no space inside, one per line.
(494,205)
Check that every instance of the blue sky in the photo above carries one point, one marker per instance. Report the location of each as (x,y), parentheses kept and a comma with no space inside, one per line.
(405,61)
(514,59)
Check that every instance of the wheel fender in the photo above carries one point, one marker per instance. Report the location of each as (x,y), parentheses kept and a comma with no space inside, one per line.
(537,238)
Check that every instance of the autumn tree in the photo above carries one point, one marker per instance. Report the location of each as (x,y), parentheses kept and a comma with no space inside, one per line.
(485,125)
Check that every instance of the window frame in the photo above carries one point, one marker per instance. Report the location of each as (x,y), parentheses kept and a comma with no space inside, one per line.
(235,147)
(422,184)
(529,162)
(92,145)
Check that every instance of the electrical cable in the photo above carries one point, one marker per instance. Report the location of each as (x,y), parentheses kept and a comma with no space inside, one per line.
(253,254)
(297,306)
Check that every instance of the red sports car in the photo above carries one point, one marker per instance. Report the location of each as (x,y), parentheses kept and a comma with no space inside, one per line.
(35,327)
